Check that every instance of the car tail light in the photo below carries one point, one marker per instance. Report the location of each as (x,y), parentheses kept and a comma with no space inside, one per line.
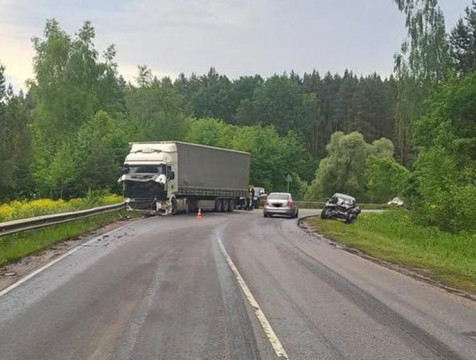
(290,203)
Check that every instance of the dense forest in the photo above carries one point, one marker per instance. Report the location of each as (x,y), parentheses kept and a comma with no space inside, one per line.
(79,114)
(412,134)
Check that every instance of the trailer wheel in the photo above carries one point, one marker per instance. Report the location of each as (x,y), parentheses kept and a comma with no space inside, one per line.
(231,206)
(226,204)
(219,205)
(190,206)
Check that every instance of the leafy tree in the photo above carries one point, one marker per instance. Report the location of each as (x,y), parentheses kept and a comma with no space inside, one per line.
(187,87)
(214,97)
(352,166)
(62,173)
(155,110)
(70,86)
(444,180)
(69,81)
(211,132)
(277,102)
(424,61)
(312,131)
(244,88)
(101,147)
(15,147)
(208,95)
(7,158)
(385,178)
(463,41)
(382,148)
(18,120)
(343,169)
(426,51)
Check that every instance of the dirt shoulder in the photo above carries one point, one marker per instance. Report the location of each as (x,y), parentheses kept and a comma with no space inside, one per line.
(13,272)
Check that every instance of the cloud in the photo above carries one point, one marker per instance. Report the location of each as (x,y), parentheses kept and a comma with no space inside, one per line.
(165,35)
(212,14)
(16,54)
(238,37)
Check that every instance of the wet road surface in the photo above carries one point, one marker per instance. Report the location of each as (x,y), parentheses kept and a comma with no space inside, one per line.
(162,288)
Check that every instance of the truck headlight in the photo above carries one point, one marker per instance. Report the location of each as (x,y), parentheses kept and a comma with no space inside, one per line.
(161,179)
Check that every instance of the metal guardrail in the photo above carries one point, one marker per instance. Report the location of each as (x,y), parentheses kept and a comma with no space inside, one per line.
(14,226)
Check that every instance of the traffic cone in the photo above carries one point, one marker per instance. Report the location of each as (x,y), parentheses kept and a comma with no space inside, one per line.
(199,214)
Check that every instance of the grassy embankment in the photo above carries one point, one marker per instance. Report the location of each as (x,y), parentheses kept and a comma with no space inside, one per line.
(16,246)
(394,237)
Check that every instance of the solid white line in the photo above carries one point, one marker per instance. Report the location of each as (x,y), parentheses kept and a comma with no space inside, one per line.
(43,268)
(273,339)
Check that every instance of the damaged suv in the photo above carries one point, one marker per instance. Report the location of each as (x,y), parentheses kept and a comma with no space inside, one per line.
(341,206)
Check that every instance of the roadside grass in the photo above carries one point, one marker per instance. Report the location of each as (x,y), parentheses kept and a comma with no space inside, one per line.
(393,236)
(320,205)
(19,209)
(16,246)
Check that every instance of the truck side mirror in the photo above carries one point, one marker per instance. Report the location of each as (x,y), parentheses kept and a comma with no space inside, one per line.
(171,175)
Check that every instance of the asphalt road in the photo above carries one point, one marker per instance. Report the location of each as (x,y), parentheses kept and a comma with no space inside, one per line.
(162,288)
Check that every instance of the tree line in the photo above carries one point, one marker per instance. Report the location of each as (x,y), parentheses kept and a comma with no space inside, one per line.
(311,105)
(72,128)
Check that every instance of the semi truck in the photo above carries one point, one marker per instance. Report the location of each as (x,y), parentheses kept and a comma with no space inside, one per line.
(168,177)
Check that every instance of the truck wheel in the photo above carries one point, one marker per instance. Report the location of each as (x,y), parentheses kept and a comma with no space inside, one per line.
(219,205)
(231,206)
(174,206)
(226,204)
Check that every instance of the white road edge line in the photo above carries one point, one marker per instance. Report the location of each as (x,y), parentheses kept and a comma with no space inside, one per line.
(43,268)
(271,335)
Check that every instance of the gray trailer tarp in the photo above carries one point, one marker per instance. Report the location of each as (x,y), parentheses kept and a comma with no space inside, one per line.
(206,169)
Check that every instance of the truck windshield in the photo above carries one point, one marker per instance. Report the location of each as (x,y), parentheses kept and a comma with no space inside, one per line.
(147,169)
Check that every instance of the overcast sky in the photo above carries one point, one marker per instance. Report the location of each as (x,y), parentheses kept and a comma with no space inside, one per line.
(237,37)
